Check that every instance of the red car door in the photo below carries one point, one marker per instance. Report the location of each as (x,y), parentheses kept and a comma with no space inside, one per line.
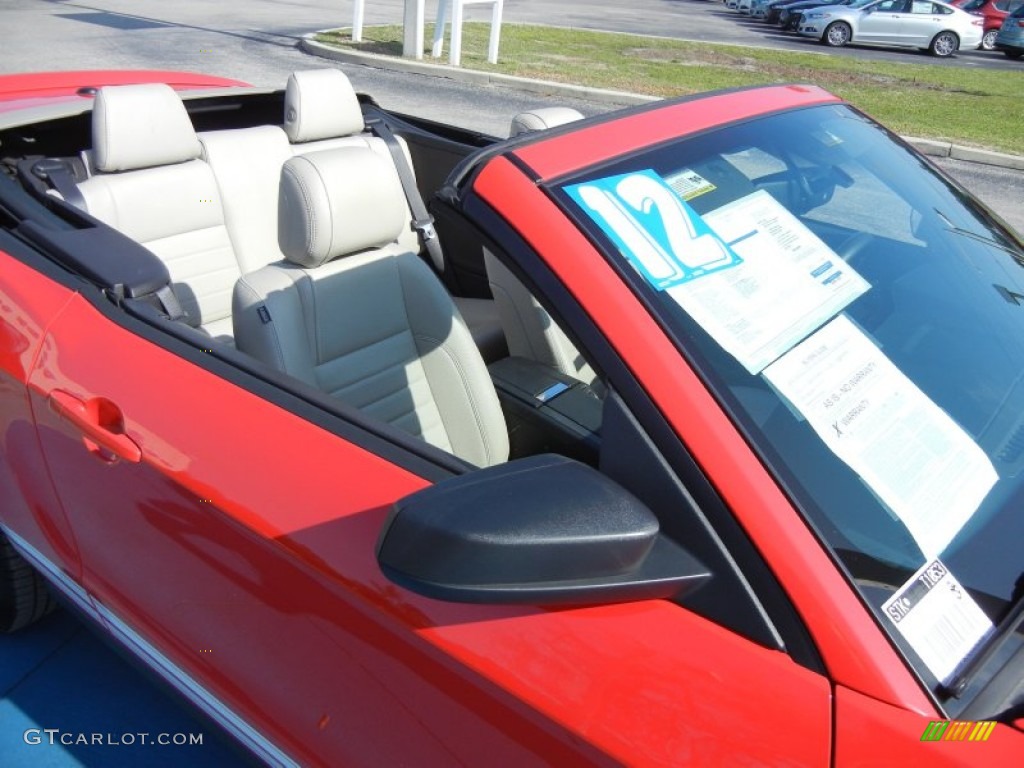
(28,303)
(231,543)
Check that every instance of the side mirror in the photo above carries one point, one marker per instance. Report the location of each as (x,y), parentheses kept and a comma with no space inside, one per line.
(542,530)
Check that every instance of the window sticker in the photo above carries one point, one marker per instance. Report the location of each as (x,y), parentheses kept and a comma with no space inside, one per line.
(661,236)
(938,618)
(906,449)
(689,184)
(789,283)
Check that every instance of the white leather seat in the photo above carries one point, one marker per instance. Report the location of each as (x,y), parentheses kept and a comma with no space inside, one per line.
(530,330)
(360,316)
(247,164)
(322,112)
(150,184)
(542,118)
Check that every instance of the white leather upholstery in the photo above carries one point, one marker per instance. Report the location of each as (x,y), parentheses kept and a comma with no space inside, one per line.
(174,208)
(374,328)
(529,329)
(544,117)
(140,126)
(322,112)
(320,104)
(247,165)
(338,202)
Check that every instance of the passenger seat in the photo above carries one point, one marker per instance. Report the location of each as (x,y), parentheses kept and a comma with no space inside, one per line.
(150,184)
(322,111)
(360,316)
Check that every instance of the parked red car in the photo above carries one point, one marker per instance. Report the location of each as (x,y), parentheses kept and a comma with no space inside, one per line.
(995,12)
(690,444)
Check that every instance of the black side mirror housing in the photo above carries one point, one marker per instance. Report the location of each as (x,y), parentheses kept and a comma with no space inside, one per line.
(541,530)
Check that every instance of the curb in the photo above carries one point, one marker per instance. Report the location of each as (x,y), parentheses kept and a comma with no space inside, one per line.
(472,76)
(622,98)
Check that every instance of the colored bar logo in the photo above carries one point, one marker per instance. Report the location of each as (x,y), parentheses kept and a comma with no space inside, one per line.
(958,730)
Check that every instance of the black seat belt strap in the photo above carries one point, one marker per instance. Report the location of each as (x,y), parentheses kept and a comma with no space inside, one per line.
(171,306)
(61,179)
(422,221)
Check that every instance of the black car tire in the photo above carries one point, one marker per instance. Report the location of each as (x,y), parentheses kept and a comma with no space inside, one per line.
(988,40)
(837,34)
(944,44)
(24,596)
(1014,54)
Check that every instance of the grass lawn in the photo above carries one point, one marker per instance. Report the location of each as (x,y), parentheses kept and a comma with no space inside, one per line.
(975,107)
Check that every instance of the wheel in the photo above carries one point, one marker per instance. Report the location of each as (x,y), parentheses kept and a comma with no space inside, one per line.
(24,597)
(944,44)
(1014,54)
(837,34)
(988,41)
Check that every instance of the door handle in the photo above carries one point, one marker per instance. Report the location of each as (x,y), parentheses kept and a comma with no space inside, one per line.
(101,423)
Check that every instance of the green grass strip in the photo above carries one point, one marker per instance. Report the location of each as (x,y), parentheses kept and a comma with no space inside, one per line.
(964,105)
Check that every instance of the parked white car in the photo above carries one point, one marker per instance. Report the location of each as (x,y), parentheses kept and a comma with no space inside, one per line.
(927,24)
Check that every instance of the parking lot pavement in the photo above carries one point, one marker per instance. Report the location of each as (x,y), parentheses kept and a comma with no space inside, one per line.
(58,675)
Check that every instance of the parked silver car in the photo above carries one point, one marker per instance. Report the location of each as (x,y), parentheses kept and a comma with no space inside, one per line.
(927,24)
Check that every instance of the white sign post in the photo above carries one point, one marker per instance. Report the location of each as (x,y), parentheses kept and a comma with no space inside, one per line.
(455,52)
(357,21)
(412,28)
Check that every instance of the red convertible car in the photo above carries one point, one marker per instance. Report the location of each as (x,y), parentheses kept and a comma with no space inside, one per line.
(691,434)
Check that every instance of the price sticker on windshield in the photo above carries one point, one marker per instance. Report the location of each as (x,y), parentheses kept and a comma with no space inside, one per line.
(938,618)
(664,239)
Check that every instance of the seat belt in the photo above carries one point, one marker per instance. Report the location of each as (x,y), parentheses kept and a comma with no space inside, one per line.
(62,179)
(422,221)
(169,301)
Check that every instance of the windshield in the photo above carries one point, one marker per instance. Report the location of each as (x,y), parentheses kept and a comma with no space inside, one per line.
(863,321)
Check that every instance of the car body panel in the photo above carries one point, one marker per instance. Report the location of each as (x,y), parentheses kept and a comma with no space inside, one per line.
(30,85)
(591,145)
(867,728)
(28,304)
(853,650)
(239,580)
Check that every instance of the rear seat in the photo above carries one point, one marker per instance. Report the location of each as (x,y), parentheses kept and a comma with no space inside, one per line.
(150,183)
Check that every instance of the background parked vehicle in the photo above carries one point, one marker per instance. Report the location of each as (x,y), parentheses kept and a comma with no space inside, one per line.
(994,12)
(792,14)
(1010,38)
(937,27)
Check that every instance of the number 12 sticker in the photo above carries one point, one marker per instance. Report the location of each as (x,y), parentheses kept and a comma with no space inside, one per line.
(656,230)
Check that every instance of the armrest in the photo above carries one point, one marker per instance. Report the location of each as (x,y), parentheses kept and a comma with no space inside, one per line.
(546,410)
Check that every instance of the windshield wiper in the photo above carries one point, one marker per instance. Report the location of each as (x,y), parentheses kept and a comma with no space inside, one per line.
(951,227)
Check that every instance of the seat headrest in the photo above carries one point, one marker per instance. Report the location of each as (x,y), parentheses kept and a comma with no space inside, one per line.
(141,126)
(338,202)
(539,119)
(320,104)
